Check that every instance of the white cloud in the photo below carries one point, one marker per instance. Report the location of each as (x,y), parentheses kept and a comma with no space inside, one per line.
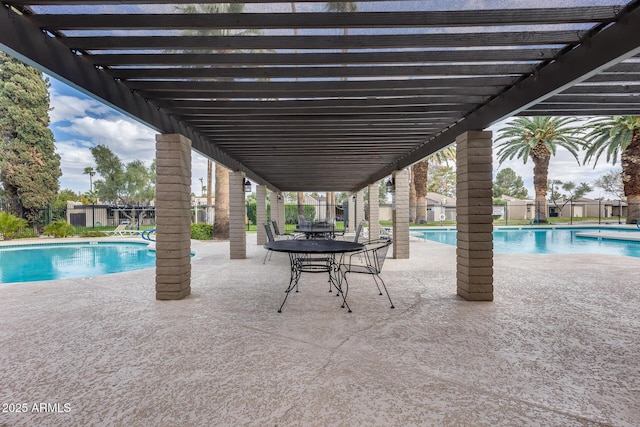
(126,138)
(65,107)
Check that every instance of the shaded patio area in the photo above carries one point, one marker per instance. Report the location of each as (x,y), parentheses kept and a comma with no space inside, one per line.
(557,346)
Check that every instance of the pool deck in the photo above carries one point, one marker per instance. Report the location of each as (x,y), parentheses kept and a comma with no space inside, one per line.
(558,346)
(622,235)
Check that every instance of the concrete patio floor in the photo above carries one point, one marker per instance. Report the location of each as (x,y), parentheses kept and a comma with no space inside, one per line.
(558,346)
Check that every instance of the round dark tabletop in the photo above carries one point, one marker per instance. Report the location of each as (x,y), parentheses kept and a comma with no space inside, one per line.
(313,246)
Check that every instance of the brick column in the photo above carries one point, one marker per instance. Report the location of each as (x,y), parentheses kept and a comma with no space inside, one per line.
(351,215)
(261,214)
(237,213)
(359,214)
(374,212)
(281,216)
(401,215)
(273,206)
(173,217)
(474,216)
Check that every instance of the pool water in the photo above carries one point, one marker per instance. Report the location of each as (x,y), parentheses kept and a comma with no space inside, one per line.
(544,241)
(26,263)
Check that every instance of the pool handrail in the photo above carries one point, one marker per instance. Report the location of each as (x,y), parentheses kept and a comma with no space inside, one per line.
(146,234)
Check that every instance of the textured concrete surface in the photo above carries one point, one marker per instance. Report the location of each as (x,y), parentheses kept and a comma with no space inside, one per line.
(558,346)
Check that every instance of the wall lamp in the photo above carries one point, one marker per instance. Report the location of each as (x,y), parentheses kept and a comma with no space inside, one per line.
(247,186)
(391,185)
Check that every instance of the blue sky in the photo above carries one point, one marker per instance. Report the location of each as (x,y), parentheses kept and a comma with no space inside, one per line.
(79,123)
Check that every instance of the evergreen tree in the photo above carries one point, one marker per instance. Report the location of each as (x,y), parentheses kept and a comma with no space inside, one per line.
(507,183)
(29,165)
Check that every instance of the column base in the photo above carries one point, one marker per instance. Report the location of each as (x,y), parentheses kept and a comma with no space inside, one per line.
(164,296)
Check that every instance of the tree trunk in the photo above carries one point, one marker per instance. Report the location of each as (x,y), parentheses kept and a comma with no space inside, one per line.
(631,177)
(330,208)
(420,171)
(540,176)
(221,220)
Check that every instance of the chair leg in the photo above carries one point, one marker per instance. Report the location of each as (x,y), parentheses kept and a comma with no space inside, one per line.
(384,286)
(265,256)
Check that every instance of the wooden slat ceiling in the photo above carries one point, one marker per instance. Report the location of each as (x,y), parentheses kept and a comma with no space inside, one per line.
(328,101)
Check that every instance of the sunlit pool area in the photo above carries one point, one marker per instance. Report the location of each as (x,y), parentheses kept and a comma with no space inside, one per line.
(547,240)
(33,262)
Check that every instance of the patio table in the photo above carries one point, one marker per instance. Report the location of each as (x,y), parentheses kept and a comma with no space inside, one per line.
(304,257)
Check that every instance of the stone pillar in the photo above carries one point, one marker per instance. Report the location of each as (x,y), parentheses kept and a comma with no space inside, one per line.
(401,215)
(261,214)
(374,212)
(351,214)
(359,214)
(474,216)
(237,214)
(173,217)
(281,216)
(273,206)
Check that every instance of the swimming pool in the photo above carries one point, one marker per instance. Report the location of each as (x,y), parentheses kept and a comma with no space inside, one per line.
(544,240)
(26,263)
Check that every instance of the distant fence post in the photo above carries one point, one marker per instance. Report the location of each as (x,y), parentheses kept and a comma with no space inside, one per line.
(570,211)
(599,211)
(619,210)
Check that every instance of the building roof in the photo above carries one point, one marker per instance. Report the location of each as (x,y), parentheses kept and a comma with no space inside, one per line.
(332,101)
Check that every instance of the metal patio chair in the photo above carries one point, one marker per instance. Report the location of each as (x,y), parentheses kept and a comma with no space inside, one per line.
(369,261)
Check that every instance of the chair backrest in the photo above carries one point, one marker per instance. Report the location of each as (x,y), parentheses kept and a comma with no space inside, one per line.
(303,222)
(379,252)
(276,229)
(267,228)
(358,231)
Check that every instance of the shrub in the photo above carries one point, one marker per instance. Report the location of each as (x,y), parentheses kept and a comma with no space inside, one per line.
(201,231)
(59,228)
(10,224)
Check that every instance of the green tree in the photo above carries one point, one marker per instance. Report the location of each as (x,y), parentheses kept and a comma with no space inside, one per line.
(138,184)
(29,165)
(65,196)
(538,138)
(571,192)
(442,180)
(611,183)
(507,183)
(619,136)
(130,184)
(109,166)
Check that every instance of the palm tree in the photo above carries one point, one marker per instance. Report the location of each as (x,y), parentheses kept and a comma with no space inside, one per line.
(221,210)
(91,172)
(538,138)
(619,136)
(419,173)
(347,6)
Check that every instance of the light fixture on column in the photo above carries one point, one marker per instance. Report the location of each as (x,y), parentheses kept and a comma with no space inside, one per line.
(247,186)
(279,197)
(391,185)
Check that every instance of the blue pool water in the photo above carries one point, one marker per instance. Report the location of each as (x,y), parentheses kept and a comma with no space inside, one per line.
(26,263)
(544,241)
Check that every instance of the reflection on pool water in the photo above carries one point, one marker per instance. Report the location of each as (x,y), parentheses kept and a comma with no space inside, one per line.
(545,241)
(26,263)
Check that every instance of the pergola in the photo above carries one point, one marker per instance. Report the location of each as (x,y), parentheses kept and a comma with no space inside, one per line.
(299,97)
